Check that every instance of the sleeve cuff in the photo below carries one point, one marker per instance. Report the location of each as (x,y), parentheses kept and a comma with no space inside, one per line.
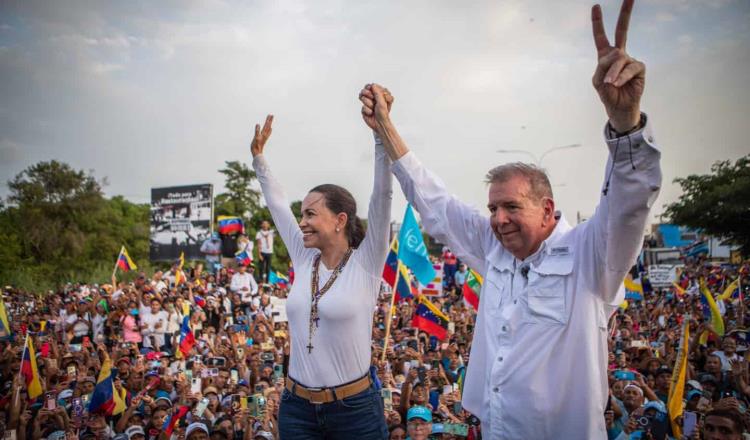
(643,136)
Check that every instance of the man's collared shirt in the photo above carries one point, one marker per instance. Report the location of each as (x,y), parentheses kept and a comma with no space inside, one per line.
(538,361)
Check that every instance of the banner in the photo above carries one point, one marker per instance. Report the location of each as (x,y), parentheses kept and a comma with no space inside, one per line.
(662,275)
(180,221)
(434,287)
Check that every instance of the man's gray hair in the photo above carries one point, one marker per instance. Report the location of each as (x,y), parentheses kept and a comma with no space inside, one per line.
(536,176)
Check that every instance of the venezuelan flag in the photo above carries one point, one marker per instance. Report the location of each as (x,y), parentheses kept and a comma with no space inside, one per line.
(243,258)
(716,320)
(106,399)
(275,277)
(405,288)
(171,421)
(124,262)
(472,288)
(391,264)
(677,384)
(187,339)
(179,276)
(4,325)
(731,291)
(230,225)
(429,318)
(633,290)
(30,371)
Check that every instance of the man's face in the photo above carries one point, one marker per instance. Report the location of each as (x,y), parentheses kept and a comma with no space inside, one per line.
(155,306)
(265,225)
(662,380)
(713,364)
(419,429)
(632,398)
(420,395)
(729,346)
(519,221)
(720,428)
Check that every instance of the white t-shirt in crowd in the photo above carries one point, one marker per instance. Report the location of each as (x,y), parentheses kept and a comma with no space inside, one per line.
(266,241)
(150,319)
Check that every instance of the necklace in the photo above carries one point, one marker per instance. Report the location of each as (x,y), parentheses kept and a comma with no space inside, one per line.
(317,293)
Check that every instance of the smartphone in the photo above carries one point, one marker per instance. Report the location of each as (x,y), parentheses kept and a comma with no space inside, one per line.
(201,407)
(234,377)
(216,361)
(77,408)
(189,375)
(209,372)
(257,405)
(278,371)
(624,375)
(240,352)
(689,423)
(459,429)
(195,386)
(72,373)
(50,401)
(422,373)
(243,402)
(457,407)
(266,356)
(86,341)
(236,404)
(75,348)
(387,399)
(435,364)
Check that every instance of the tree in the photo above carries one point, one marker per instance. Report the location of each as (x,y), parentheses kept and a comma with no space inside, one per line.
(59,227)
(240,199)
(717,203)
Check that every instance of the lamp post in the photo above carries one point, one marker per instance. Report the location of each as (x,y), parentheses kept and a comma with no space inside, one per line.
(538,161)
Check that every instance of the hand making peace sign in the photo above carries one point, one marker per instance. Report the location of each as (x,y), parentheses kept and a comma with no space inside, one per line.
(619,78)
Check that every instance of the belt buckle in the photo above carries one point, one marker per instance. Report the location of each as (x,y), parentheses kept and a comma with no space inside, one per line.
(312,398)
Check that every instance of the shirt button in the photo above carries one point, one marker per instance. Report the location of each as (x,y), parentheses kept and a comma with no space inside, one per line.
(496,389)
(650,138)
(505,329)
(515,301)
(500,358)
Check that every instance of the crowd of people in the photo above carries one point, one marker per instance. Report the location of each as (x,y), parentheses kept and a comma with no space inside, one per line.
(232,378)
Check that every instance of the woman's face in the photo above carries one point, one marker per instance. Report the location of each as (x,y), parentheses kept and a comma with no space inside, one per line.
(319,223)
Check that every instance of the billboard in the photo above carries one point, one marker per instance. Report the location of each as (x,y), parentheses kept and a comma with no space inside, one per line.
(180,221)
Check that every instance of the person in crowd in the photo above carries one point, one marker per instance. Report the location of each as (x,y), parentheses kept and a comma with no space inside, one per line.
(264,243)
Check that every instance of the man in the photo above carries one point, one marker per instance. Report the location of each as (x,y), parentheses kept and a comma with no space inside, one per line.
(244,284)
(723,424)
(153,325)
(196,431)
(212,249)
(264,241)
(419,423)
(540,341)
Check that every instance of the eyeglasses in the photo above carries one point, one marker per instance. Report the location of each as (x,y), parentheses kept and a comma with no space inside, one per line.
(418,423)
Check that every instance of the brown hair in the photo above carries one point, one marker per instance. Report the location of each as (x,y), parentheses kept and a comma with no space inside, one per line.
(339,200)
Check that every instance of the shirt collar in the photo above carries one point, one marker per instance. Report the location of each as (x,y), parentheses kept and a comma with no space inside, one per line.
(503,260)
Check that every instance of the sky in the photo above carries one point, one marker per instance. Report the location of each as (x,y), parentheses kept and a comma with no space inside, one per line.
(152,94)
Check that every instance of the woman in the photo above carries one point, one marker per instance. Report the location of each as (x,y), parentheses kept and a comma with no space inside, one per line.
(329,393)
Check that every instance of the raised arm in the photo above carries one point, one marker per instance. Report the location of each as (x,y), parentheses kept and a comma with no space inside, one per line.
(614,233)
(374,248)
(450,221)
(275,198)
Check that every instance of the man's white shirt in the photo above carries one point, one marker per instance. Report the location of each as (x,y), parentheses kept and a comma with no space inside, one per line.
(241,281)
(537,368)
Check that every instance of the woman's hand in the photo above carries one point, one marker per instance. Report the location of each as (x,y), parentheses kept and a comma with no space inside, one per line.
(261,136)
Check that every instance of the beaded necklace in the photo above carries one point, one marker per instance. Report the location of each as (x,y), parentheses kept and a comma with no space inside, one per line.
(317,293)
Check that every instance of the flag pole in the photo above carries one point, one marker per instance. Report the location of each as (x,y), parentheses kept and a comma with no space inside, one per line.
(389,315)
(114,271)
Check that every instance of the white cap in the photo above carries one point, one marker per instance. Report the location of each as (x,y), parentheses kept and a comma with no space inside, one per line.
(194,427)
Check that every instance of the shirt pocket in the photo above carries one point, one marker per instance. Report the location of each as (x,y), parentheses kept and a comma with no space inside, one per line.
(547,305)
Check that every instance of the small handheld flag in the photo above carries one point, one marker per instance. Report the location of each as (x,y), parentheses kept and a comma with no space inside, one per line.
(472,288)
(429,318)
(124,261)
(230,225)
(29,370)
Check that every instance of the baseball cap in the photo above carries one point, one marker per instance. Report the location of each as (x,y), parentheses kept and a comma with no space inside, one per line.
(134,430)
(693,393)
(663,369)
(419,412)
(695,384)
(194,427)
(56,435)
(209,390)
(657,405)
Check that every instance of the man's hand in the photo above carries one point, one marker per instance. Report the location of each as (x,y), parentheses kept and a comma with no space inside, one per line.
(376,105)
(619,78)
(261,136)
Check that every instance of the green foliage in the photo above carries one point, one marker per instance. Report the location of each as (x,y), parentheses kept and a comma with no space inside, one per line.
(717,203)
(59,227)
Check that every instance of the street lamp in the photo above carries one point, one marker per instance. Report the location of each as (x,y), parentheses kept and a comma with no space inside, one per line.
(539,160)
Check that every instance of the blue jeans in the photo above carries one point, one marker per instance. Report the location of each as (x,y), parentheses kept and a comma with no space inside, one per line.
(359,417)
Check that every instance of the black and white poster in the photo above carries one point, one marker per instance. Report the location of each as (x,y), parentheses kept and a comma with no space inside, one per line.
(180,221)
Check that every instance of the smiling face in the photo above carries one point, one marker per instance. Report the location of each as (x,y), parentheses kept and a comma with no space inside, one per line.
(319,223)
(519,220)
